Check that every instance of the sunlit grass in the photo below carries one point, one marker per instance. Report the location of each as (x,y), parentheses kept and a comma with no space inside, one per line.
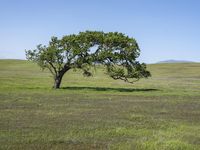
(162,112)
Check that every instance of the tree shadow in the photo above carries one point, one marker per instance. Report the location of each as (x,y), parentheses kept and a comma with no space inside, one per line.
(111,89)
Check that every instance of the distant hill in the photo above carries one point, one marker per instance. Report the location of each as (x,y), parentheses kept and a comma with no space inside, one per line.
(174,61)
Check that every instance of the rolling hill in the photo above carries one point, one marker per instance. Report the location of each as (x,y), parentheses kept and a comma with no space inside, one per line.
(162,112)
(175,61)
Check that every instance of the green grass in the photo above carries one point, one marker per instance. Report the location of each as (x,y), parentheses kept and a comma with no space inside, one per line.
(159,113)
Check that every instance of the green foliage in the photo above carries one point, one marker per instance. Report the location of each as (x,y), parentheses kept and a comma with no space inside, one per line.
(115,50)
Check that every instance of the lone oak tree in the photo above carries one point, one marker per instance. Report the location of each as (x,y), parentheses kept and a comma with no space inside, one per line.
(116,51)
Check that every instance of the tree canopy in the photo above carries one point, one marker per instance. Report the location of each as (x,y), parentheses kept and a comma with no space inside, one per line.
(116,51)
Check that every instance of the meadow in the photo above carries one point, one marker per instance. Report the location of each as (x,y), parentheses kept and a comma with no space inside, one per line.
(159,113)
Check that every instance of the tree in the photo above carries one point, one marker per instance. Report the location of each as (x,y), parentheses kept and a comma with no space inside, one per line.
(114,50)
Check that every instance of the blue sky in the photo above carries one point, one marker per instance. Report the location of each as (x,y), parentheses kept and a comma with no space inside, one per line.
(164,29)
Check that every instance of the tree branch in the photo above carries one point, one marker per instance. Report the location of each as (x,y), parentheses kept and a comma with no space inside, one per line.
(54,68)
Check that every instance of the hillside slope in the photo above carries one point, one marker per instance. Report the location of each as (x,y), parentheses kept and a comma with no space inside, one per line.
(162,112)
(20,74)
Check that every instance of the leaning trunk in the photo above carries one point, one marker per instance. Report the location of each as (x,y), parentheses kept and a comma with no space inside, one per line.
(58,77)
(57,81)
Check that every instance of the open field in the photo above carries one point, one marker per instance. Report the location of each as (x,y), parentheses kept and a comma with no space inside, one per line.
(159,113)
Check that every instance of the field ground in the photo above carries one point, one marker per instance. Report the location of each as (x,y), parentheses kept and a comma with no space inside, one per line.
(159,113)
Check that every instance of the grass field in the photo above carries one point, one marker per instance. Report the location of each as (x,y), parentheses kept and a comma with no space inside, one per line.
(159,113)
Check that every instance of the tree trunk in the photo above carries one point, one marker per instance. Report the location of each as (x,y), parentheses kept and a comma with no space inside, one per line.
(57,81)
(58,77)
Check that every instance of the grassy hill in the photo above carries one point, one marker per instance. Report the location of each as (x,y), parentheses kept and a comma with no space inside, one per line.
(162,112)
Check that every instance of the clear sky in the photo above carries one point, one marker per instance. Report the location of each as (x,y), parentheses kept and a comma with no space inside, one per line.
(164,29)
